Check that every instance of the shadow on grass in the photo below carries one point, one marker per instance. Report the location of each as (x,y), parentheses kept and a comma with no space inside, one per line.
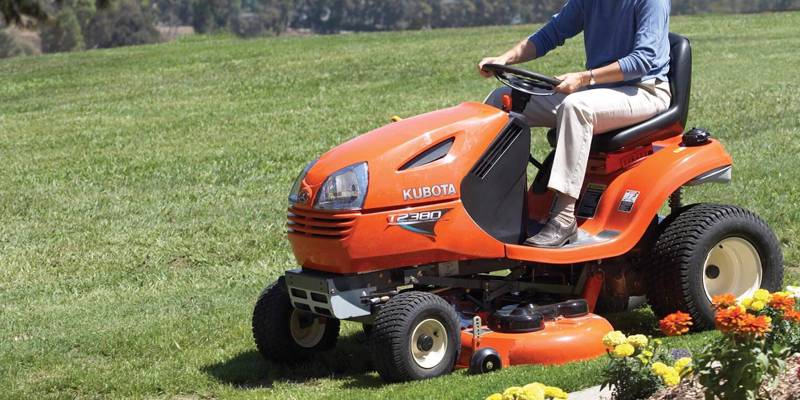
(349,361)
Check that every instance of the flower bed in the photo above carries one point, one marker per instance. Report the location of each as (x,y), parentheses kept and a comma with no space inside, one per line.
(747,361)
(787,389)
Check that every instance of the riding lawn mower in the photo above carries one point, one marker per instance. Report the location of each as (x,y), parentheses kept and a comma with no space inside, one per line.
(415,230)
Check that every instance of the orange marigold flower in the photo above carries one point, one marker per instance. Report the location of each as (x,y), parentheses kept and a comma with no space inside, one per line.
(792,316)
(675,324)
(736,320)
(756,326)
(728,319)
(782,302)
(722,301)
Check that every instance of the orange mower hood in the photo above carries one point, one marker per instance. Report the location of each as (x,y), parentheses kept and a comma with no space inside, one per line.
(387,150)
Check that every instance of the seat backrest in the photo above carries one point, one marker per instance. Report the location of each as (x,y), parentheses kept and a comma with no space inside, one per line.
(667,124)
(680,74)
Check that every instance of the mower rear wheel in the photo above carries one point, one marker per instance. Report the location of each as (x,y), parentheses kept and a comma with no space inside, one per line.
(707,250)
(288,335)
(416,336)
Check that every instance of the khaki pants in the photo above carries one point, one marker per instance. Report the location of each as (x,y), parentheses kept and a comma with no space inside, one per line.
(591,112)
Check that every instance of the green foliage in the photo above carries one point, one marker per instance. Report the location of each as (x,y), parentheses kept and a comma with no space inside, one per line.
(630,377)
(212,15)
(84,11)
(62,34)
(757,335)
(732,368)
(13,11)
(264,17)
(125,24)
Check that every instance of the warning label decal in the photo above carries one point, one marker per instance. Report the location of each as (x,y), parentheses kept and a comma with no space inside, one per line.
(628,201)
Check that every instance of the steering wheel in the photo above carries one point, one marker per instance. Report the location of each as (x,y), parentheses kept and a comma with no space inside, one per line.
(522,80)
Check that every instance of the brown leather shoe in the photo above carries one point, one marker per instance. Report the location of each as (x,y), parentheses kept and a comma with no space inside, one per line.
(554,235)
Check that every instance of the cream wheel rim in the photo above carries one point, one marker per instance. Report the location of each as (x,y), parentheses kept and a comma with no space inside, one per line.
(306,329)
(428,343)
(733,266)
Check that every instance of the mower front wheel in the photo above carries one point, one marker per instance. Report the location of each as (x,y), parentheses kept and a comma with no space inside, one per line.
(416,336)
(285,334)
(707,250)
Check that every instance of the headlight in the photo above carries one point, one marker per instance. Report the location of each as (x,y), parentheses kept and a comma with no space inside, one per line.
(345,189)
(297,182)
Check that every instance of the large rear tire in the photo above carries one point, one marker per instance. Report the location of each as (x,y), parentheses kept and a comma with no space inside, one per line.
(416,336)
(285,334)
(707,250)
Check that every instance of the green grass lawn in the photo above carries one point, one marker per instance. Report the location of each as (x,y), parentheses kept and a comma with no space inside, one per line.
(143,194)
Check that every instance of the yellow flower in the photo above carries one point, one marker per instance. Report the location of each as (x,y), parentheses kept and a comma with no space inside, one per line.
(762,295)
(683,365)
(496,396)
(746,302)
(637,341)
(658,342)
(754,303)
(623,350)
(614,339)
(757,305)
(533,391)
(659,368)
(513,393)
(532,395)
(529,392)
(668,375)
(555,393)
(671,378)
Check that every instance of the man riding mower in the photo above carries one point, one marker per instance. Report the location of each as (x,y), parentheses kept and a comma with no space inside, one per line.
(427,232)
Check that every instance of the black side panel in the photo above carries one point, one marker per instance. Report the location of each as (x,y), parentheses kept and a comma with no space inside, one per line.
(493,192)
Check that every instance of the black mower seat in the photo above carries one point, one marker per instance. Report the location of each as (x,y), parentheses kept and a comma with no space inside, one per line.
(665,125)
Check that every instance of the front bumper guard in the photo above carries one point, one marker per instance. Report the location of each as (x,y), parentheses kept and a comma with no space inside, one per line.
(329,295)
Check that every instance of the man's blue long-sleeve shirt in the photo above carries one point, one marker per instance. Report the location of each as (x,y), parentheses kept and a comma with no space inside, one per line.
(633,32)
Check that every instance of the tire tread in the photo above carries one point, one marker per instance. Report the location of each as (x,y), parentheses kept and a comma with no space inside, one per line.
(669,279)
(389,333)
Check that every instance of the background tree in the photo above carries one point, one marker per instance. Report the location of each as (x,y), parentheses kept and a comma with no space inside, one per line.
(124,24)
(14,11)
(63,33)
(128,22)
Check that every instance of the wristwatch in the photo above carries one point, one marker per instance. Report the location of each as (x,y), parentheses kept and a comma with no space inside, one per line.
(592,82)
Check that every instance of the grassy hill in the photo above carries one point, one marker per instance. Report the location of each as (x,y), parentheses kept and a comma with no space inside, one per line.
(143,194)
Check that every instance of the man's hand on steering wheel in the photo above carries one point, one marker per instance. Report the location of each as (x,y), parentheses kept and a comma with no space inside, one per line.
(490,60)
(572,82)
(522,80)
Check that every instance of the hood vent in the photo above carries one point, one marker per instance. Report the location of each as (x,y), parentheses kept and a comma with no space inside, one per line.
(435,153)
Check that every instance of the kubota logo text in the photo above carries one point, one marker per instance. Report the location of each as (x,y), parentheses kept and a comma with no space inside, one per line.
(425,192)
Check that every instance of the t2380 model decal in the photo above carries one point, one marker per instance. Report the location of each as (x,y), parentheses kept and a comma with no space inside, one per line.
(418,222)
